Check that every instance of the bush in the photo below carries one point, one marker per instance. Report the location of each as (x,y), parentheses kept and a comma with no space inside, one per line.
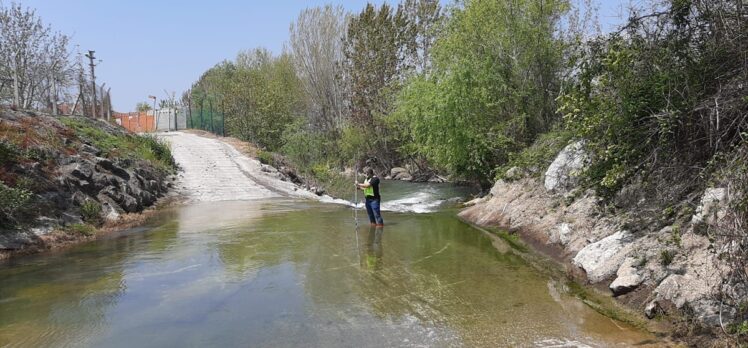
(91,212)
(12,202)
(538,156)
(8,152)
(265,157)
(156,151)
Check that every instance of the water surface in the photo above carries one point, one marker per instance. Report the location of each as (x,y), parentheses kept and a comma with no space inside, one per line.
(283,273)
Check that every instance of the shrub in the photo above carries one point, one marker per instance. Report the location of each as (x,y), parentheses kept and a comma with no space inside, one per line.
(265,157)
(667,257)
(91,212)
(8,152)
(12,202)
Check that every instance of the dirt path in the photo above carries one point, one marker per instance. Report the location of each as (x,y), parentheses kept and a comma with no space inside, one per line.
(215,171)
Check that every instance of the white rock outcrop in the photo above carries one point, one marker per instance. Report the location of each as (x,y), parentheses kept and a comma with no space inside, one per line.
(712,206)
(563,173)
(602,259)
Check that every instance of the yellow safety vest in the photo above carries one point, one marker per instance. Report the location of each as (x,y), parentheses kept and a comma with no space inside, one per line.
(368,191)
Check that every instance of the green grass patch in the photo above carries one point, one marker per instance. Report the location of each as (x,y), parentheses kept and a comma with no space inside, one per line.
(82,229)
(135,147)
(91,212)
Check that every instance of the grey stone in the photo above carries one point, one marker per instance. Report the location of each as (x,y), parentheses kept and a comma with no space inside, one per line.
(602,259)
(564,233)
(652,309)
(563,173)
(129,203)
(81,170)
(627,279)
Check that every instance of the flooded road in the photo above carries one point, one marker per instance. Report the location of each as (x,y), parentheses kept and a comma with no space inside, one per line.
(284,273)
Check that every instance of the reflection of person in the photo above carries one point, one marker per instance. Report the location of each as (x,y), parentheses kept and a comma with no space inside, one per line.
(370,186)
(374,248)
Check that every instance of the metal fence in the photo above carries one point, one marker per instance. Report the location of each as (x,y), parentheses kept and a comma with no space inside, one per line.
(207,116)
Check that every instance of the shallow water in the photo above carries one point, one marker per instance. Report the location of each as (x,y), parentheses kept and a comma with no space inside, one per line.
(282,273)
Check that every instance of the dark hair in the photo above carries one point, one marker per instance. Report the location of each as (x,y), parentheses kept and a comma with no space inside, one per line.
(369,171)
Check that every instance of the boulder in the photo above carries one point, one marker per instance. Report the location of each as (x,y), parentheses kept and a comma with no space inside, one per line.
(399,173)
(601,260)
(82,169)
(563,173)
(129,203)
(627,278)
(691,290)
(113,168)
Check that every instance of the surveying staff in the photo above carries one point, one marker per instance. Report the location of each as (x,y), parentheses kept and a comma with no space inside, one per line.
(370,186)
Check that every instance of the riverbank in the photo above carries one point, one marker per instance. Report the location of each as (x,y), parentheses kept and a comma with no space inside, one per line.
(69,179)
(666,272)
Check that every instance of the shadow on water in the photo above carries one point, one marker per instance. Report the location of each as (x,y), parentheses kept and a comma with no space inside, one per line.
(287,273)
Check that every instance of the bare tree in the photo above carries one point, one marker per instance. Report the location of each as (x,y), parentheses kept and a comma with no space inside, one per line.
(33,58)
(317,44)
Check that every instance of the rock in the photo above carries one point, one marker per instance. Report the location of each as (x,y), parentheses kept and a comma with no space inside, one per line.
(628,278)
(129,203)
(513,173)
(86,148)
(399,173)
(397,170)
(712,206)
(497,187)
(113,168)
(602,259)
(564,233)
(82,169)
(478,200)
(694,291)
(652,309)
(563,173)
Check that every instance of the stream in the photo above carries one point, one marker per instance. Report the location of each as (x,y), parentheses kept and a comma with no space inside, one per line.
(286,272)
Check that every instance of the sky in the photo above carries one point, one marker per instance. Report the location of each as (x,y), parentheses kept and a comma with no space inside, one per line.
(154,47)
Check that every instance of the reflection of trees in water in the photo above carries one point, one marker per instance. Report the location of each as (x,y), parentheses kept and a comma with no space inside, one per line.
(67,296)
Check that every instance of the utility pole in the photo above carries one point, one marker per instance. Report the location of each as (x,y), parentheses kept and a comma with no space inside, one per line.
(90,56)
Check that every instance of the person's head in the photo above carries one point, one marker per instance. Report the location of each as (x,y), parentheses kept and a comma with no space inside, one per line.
(369,172)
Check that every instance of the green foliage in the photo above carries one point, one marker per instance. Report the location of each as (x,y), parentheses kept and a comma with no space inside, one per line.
(259,94)
(538,156)
(649,92)
(8,152)
(91,212)
(666,257)
(265,157)
(491,89)
(82,229)
(135,147)
(12,202)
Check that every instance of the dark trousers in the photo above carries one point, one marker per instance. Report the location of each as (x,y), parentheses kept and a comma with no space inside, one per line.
(372,208)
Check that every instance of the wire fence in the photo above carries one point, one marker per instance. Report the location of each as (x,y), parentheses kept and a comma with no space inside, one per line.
(206,115)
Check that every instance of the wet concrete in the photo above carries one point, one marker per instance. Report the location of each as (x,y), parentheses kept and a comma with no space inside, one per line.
(279,273)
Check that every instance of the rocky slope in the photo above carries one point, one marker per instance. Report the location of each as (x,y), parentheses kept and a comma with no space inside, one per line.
(73,174)
(670,269)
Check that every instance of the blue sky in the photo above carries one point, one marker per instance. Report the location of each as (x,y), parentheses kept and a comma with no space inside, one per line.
(147,47)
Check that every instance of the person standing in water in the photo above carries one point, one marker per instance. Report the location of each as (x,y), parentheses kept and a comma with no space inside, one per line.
(370,186)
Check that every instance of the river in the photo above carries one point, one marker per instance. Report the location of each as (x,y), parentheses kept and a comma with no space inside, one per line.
(284,272)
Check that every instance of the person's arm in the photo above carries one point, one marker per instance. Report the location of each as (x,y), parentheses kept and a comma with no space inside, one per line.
(364,185)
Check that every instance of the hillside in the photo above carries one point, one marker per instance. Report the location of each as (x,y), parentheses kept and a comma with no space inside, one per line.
(71,175)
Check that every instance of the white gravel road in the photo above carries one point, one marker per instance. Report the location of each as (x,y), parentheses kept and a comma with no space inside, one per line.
(215,171)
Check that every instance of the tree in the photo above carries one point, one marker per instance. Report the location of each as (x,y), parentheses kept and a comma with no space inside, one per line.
(492,87)
(316,40)
(33,57)
(143,106)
